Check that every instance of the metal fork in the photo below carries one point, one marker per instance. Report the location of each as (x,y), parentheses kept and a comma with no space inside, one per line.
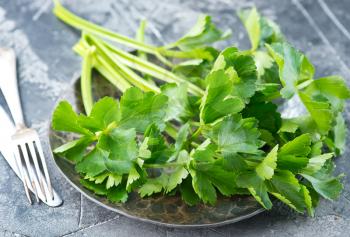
(25,142)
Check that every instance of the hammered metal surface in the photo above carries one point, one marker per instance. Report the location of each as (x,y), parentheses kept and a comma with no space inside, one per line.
(158,209)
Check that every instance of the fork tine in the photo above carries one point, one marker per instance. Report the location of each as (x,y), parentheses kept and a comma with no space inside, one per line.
(37,168)
(33,178)
(21,172)
(43,162)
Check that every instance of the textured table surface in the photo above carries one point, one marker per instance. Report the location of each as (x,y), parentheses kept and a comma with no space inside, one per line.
(46,65)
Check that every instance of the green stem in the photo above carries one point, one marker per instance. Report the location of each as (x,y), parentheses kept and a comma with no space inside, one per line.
(195,123)
(194,54)
(197,132)
(156,71)
(112,75)
(165,165)
(110,127)
(103,66)
(131,76)
(171,130)
(124,58)
(140,37)
(304,84)
(85,80)
(84,25)
(164,60)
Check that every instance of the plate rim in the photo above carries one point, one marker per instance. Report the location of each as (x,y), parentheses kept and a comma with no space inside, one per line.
(158,223)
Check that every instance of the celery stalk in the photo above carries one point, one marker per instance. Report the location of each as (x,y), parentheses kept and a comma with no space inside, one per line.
(79,23)
(151,69)
(85,80)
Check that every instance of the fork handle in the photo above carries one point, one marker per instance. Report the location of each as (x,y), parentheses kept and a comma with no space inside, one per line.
(8,84)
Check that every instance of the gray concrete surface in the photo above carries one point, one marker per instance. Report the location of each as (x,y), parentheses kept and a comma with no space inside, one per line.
(46,65)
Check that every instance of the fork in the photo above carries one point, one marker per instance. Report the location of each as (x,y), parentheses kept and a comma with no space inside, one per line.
(25,142)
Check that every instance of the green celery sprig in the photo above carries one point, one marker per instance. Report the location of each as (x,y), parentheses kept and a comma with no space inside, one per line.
(227,140)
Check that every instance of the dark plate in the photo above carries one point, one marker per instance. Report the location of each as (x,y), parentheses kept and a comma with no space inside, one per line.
(161,210)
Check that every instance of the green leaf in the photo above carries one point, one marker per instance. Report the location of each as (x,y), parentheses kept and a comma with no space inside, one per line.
(286,187)
(245,85)
(172,177)
(166,182)
(266,113)
(144,153)
(320,112)
(208,176)
(267,137)
(316,163)
(236,135)
(260,29)
(270,31)
(188,194)
(182,137)
(122,149)
(74,150)
(300,146)
(139,109)
(316,148)
(294,67)
(308,200)
(340,132)
(324,183)
(104,112)
(292,163)
(292,156)
(65,119)
(154,185)
(132,177)
(288,126)
(69,145)
(203,33)
(160,152)
(260,194)
(203,188)
(333,88)
(99,189)
(256,187)
(93,163)
(178,102)
(217,101)
(306,125)
(117,194)
(195,69)
(175,179)
(329,188)
(263,61)
(266,168)
(241,70)
(100,178)
(113,180)
(204,152)
(251,21)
